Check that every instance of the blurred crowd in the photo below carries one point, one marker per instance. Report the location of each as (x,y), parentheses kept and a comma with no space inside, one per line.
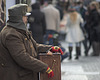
(78,24)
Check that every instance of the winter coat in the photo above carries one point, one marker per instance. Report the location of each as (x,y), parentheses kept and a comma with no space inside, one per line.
(37,23)
(18,55)
(61,11)
(74,32)
(83,11)
(92,24)
(52,16)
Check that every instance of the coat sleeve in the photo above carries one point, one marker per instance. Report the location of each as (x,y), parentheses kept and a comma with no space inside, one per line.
(40,48)
(18,52)
(43,48)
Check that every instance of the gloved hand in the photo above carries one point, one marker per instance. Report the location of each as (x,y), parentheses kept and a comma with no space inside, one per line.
(56,49)
(50,73)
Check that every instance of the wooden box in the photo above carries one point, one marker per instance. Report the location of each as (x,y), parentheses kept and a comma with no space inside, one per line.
(54,63)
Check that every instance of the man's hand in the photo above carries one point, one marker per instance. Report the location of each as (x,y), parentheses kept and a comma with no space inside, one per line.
(49,53)
(50,72)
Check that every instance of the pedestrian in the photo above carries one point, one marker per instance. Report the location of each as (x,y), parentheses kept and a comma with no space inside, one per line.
(37,23)
(19,51)
(93,27)
(82,11)
(52,17)
(60,10)
(74,32)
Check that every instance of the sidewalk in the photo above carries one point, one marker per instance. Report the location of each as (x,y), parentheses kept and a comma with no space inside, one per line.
(86,68)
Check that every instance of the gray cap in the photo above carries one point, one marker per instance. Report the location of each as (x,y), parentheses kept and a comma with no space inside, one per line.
(18,10)
(16,13)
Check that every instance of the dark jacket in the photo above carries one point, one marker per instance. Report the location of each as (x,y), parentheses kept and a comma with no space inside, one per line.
(37,23)
(18,55)
(93,20)
(82,12)
(60,11)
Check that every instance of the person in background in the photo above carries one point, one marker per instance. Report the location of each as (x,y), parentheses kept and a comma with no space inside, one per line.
(52,17)
(82,11)
(60,10)
(19,51)
(37,23)
(74,32)
(93,25)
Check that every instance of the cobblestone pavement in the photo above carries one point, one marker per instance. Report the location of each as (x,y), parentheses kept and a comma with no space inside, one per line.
(86,68)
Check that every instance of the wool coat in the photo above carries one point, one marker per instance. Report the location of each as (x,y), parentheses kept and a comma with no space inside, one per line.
(37,23)
(92,25)
(74,32)
(52,16)
(18,55)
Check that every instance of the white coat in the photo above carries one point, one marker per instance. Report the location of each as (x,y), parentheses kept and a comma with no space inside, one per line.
(74,32)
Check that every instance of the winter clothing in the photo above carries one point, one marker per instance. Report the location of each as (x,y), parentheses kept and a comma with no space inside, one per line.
(74,32)
(92,24)
(15,16)
(37,23)
(82,11)
(56,49)
(19,51)
(50,72)
(61,11)
(93,28)
(52,16)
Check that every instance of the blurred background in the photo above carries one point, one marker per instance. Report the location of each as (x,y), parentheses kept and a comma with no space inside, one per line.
(81,59)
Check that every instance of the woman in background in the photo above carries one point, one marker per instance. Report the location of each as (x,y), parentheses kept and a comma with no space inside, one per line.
(74,32)
(93,27)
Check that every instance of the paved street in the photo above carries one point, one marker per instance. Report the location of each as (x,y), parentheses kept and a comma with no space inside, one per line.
(86,68)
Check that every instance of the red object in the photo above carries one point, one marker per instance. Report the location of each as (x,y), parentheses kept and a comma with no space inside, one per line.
(56,49)
(50,73)
(50,36)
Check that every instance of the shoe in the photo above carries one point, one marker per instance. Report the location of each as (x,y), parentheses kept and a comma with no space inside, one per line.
(69,57)
(86,54)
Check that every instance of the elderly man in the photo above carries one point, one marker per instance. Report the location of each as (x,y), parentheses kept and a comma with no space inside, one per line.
(18,50)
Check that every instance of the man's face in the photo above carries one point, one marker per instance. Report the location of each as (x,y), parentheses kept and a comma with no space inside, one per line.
(25,19)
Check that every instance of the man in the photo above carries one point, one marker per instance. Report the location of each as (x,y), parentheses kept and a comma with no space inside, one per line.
(37,23)
(52,17)
(18,50)
(61,11)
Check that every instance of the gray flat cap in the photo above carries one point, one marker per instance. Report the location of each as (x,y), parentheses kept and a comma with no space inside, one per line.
(18,10)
